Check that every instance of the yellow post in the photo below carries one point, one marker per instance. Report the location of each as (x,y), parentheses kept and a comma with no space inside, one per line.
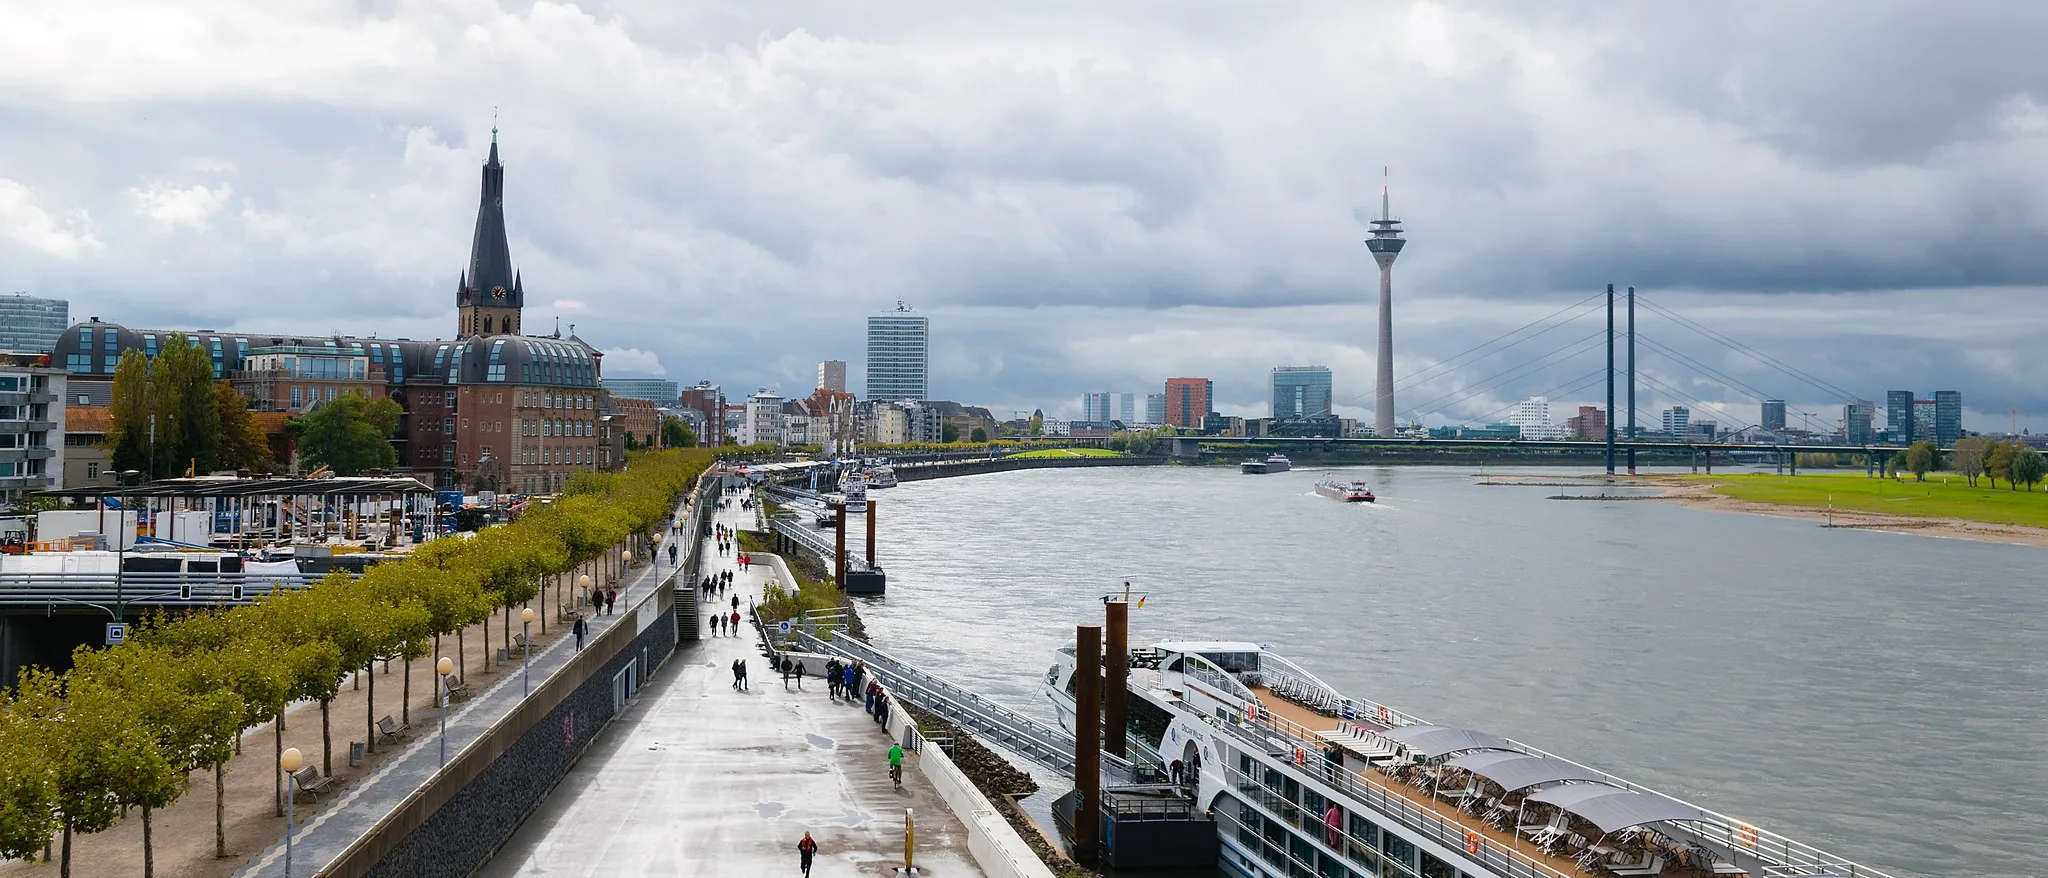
(909,842)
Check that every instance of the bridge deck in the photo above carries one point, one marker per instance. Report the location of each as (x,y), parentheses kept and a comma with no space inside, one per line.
(697,779)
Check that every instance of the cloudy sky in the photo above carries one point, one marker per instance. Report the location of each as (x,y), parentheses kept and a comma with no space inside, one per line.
(1082,196)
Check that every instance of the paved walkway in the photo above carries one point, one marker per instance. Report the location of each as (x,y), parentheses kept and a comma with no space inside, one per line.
(321,839)
(697,779)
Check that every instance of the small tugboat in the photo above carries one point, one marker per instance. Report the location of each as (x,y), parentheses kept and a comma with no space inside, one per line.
(1278,463)
(1349,492)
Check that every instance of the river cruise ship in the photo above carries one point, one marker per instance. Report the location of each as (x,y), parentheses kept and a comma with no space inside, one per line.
(1277,463)
(1306,782)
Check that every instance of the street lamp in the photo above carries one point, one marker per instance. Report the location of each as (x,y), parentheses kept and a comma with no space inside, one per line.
(289,762)
(583,588)
(526,651)
(657,548)
(445,667)
(123,534)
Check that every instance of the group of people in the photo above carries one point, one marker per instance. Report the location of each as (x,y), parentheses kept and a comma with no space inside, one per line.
(726,624)
(603,599)
(843,679)
(716,584)
(739,675)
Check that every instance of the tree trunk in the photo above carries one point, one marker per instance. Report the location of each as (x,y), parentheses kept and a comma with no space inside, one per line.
(148,847)
(64,871)
(370,710)
(508,630)
(278,776)
(405,697)
(461,657)
(326,743)
(220,810)
(487,644)
(543,604)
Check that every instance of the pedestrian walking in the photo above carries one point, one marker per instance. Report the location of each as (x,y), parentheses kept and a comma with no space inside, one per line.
(579,628)
(851,684)
(611,598)
(785,667)
(882,710)
(799,674)
(832,679)
(735,603)
(805,850)
(874,693)
(671,554)
(736,674)
(735,620)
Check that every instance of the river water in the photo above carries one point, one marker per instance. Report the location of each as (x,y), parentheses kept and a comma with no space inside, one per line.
(1884,696)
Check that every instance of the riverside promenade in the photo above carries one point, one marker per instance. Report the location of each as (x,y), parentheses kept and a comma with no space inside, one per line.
(323,838)
(698,779)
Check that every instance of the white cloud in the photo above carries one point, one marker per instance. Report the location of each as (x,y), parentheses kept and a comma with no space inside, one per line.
(28,224)
(622,362)
(171,206)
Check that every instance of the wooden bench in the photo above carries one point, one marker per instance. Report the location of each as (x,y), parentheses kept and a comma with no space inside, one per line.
(519,642)
(454,686)
(391,728)
(308,780)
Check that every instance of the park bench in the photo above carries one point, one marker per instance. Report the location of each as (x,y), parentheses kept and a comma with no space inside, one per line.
(454,686)
(309,781)
(392,728)
(519,642)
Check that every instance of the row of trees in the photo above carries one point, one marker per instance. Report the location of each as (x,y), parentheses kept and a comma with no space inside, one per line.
(2012,461)
(168,414)
(124,727)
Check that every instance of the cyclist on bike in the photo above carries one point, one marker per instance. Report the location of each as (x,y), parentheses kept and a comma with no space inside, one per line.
(896,765)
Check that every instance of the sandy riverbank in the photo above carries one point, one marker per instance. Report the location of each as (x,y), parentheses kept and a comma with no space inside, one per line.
(1699,493)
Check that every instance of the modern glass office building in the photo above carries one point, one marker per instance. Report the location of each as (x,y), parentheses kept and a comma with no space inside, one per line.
(660,390)
(1948,417)
(30,325)
(899,355)
(1301,393)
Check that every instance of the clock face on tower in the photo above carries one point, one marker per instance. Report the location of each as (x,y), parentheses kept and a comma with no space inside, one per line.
(497,292)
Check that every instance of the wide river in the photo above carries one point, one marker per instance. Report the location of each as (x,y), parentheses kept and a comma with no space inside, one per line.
(1880,695)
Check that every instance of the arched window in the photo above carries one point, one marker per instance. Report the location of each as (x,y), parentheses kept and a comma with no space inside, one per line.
(487,326)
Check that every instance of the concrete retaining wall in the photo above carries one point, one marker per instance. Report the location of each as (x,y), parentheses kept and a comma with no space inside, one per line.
(454,824)
(1009,464)
(995,844)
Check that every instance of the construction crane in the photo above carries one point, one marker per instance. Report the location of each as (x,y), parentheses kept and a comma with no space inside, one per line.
(2016,419)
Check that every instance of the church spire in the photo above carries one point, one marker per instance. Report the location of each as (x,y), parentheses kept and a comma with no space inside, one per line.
(489,280)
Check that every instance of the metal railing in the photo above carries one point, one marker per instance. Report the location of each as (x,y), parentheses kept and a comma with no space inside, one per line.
(149,589)
(814,541)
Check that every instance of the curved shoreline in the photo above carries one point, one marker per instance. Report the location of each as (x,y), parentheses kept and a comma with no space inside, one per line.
(1700,495)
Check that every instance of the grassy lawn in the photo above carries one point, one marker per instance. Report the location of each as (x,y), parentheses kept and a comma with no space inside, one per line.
(1932,498)
(1070,452)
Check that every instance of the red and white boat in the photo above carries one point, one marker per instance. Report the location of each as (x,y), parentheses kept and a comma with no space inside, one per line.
(1349,492)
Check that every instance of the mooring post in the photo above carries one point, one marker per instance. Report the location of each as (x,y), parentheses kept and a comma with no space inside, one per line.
(1116,663)
(1087,742)
(871,534)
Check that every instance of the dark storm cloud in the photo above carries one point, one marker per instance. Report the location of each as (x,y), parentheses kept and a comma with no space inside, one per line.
(1083,196)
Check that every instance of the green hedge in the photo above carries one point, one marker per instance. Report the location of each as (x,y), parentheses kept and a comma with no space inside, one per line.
(125,724)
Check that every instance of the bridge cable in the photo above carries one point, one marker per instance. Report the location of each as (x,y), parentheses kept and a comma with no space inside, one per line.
(1753,353)
(1442,367)
(1526,367)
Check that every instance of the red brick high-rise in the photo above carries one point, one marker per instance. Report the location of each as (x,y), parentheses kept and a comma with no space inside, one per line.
(1188,401)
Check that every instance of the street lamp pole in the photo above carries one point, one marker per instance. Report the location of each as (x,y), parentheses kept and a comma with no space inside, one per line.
(444,667)
(289,762)
(526,651)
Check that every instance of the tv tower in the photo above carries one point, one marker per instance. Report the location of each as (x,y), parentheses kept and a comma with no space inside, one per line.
(1385,244)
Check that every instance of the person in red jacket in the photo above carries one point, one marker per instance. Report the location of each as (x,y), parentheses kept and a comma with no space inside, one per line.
(805,850)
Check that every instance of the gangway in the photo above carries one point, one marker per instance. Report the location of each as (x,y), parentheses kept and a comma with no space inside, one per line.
(1044,744)
(815,541)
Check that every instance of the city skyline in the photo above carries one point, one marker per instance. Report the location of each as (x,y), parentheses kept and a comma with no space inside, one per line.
(1179,251)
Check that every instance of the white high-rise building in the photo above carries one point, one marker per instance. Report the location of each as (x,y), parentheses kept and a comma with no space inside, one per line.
(1127,408)
(1155,408)
(1677,421)
(899,355)
(761,421)
(1532,417)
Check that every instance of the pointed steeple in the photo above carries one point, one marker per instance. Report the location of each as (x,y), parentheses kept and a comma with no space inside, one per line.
(489,281)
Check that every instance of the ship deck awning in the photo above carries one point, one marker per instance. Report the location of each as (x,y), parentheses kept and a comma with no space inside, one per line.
(1612,808)
(1518,771)
(205,486)
(1433,741)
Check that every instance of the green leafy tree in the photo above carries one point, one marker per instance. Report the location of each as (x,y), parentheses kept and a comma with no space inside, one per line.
(2028,466)
(129,411)
(677,434)
(188,417)
(351,434)
(949,433)
(978,436)
(1998,463)
(97,752)
(1036,427)
(27,797)
(242,443)
(1920,457)
(1967,457)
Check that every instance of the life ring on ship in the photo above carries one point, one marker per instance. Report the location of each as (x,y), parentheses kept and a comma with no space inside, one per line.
(1746,834)
(1471,842)
(1300,756)
(1386,716)
(1251,712)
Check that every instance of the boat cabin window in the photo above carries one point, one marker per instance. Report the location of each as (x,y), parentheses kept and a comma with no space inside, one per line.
(1234,662)
(1147,721)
